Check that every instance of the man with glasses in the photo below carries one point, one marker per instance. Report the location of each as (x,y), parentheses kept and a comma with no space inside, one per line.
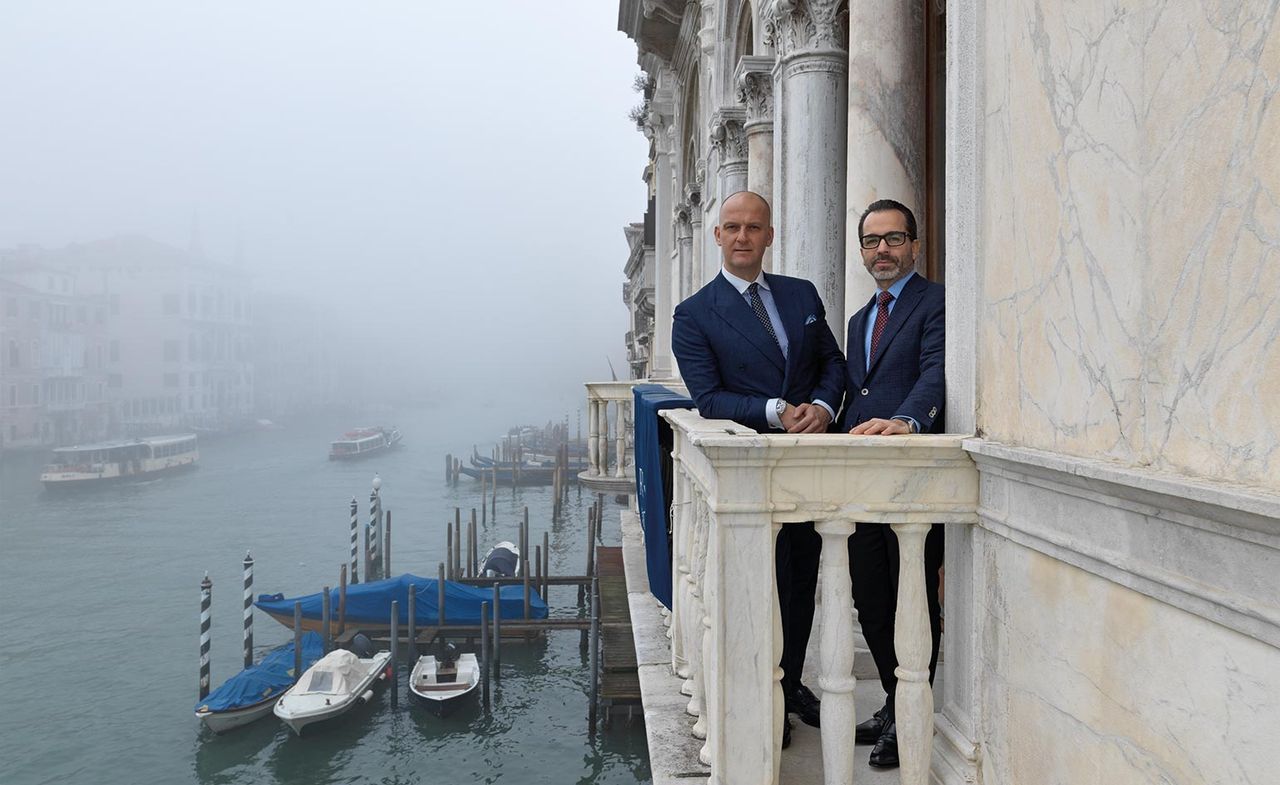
(755,348)
(895,385)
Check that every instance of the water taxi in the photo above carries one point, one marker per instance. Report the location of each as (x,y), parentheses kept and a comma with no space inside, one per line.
(362,442)
(88,464)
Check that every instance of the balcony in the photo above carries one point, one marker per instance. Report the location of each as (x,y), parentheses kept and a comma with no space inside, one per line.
(610,442)
(733,491)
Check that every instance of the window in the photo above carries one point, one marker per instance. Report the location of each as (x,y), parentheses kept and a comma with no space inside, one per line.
(35,395)
(171,350)
(115,351)
(13,395)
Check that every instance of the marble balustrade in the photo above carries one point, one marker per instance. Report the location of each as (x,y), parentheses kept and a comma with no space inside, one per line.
(733,491)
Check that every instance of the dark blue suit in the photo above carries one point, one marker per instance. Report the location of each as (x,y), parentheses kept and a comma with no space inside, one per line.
(904,378)
(732,367)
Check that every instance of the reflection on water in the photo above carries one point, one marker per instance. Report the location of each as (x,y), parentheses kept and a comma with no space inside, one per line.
(101,588)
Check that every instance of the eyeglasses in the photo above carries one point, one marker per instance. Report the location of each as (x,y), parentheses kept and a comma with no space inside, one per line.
(872,241)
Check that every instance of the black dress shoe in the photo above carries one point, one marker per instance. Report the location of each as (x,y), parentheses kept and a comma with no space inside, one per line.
(805,705)
(868,731)
(786,732)
(885,754)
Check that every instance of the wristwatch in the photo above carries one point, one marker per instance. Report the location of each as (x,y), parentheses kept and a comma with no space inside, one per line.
(779,408)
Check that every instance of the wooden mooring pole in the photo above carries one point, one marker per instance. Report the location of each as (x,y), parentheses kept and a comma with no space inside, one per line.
(484,652)
(326,614)
(594,655)
(448,546)
(546,564)
(413,625)
(440,615)
(497,631)
(342,599)
(297,641)
(248,610)
(395,675)
(386,548)
(206,606)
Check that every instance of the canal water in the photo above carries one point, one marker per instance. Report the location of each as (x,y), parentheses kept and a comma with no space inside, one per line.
(99,607)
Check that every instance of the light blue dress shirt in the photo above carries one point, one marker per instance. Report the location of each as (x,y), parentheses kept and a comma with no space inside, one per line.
(766,298)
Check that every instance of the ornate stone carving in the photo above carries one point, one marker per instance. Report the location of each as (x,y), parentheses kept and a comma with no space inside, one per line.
(754,80)
(798,26)
(728,135)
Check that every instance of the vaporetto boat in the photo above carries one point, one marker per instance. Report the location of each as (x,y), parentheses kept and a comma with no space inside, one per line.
(89,464)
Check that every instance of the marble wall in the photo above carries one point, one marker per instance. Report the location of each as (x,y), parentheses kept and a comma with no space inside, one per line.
(1129,236)
(1126,693)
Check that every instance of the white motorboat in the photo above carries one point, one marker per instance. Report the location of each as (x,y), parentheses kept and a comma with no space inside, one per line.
(441,684)
(337,682)
(502,561)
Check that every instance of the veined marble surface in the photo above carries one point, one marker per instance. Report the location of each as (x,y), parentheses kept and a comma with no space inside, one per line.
(1130,236)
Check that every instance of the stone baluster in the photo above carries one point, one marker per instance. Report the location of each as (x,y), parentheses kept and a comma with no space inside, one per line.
(836,653)
(810,130)
(624,429)
(698,553)
(602,435)
(913,644)
(593,455)
(680,508)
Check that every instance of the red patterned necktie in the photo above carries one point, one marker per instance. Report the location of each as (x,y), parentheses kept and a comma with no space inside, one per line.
(882,319)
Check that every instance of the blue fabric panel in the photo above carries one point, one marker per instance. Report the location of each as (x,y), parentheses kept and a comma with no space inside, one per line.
(653,480)
(268,679)
(370,603)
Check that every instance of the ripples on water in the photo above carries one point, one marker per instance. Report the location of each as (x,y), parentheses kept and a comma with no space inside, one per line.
(99,603)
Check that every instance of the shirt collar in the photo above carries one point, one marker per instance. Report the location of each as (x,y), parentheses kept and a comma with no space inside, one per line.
(900,284)
(741,284)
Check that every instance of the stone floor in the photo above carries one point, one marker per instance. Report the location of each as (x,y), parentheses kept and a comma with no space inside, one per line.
(673,751)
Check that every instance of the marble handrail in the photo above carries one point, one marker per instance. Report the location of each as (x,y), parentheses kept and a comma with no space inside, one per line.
(601,433)
(733,491)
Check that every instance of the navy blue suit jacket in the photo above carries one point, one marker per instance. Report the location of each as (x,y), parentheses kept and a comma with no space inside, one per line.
(906,376)
(732,366)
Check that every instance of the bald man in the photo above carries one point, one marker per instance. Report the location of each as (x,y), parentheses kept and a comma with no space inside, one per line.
(755,348)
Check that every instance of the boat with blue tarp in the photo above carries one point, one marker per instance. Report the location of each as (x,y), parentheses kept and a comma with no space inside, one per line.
(252,693)
(369,604)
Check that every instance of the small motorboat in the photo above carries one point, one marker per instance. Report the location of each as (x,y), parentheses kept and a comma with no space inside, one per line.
(502,561)
(442,683)
(337,682)
(252,693)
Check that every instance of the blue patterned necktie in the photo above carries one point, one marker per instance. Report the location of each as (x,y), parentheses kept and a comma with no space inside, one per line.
(757,305)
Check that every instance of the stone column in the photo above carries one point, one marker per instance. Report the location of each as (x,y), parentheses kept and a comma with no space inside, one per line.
(754,78)
(886,123)
(697,275)
(684,251)
(659,122)
(810,92)
(729,138)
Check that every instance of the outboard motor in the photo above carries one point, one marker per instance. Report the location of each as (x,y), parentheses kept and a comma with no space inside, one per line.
(361,646)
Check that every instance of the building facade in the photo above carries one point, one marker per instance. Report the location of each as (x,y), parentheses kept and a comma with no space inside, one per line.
(1098,186)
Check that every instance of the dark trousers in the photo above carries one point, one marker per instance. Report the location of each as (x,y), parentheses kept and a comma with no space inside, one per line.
(797,566)
(873,570)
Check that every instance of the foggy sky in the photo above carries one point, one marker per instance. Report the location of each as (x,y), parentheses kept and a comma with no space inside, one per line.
(458,171)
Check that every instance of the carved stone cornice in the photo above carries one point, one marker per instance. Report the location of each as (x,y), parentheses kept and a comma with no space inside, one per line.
(754,80)
(653,24)
(728,134)
(797,27)
(684,61)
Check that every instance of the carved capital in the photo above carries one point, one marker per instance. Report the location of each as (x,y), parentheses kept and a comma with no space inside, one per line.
(801,26)
(728,135)
(754,80)
(683,212)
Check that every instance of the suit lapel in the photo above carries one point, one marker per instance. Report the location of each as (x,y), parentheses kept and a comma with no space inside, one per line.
(907,302)
(857,343)
(790,310)
(732,307)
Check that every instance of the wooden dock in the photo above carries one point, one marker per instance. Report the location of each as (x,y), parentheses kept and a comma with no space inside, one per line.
(619,679)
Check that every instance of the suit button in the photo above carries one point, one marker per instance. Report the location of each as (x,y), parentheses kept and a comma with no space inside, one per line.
(865,391)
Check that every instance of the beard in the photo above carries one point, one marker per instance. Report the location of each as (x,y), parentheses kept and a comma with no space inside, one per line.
(899,269)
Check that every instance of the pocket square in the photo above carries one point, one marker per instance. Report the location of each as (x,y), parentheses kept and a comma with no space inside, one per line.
(810,320)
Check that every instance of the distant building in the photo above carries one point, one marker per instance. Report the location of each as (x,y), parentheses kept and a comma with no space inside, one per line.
(52,355)
(133,336)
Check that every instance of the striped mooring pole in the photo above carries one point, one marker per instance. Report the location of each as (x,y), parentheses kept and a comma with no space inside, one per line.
(355,541)
(248,610)
(206,599)
(374,514)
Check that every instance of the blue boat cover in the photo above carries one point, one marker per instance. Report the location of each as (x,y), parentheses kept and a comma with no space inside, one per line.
(653,480)
(370,603)
(267,679)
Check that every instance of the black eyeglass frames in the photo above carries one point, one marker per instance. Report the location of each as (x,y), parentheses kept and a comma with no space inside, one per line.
(893,239)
